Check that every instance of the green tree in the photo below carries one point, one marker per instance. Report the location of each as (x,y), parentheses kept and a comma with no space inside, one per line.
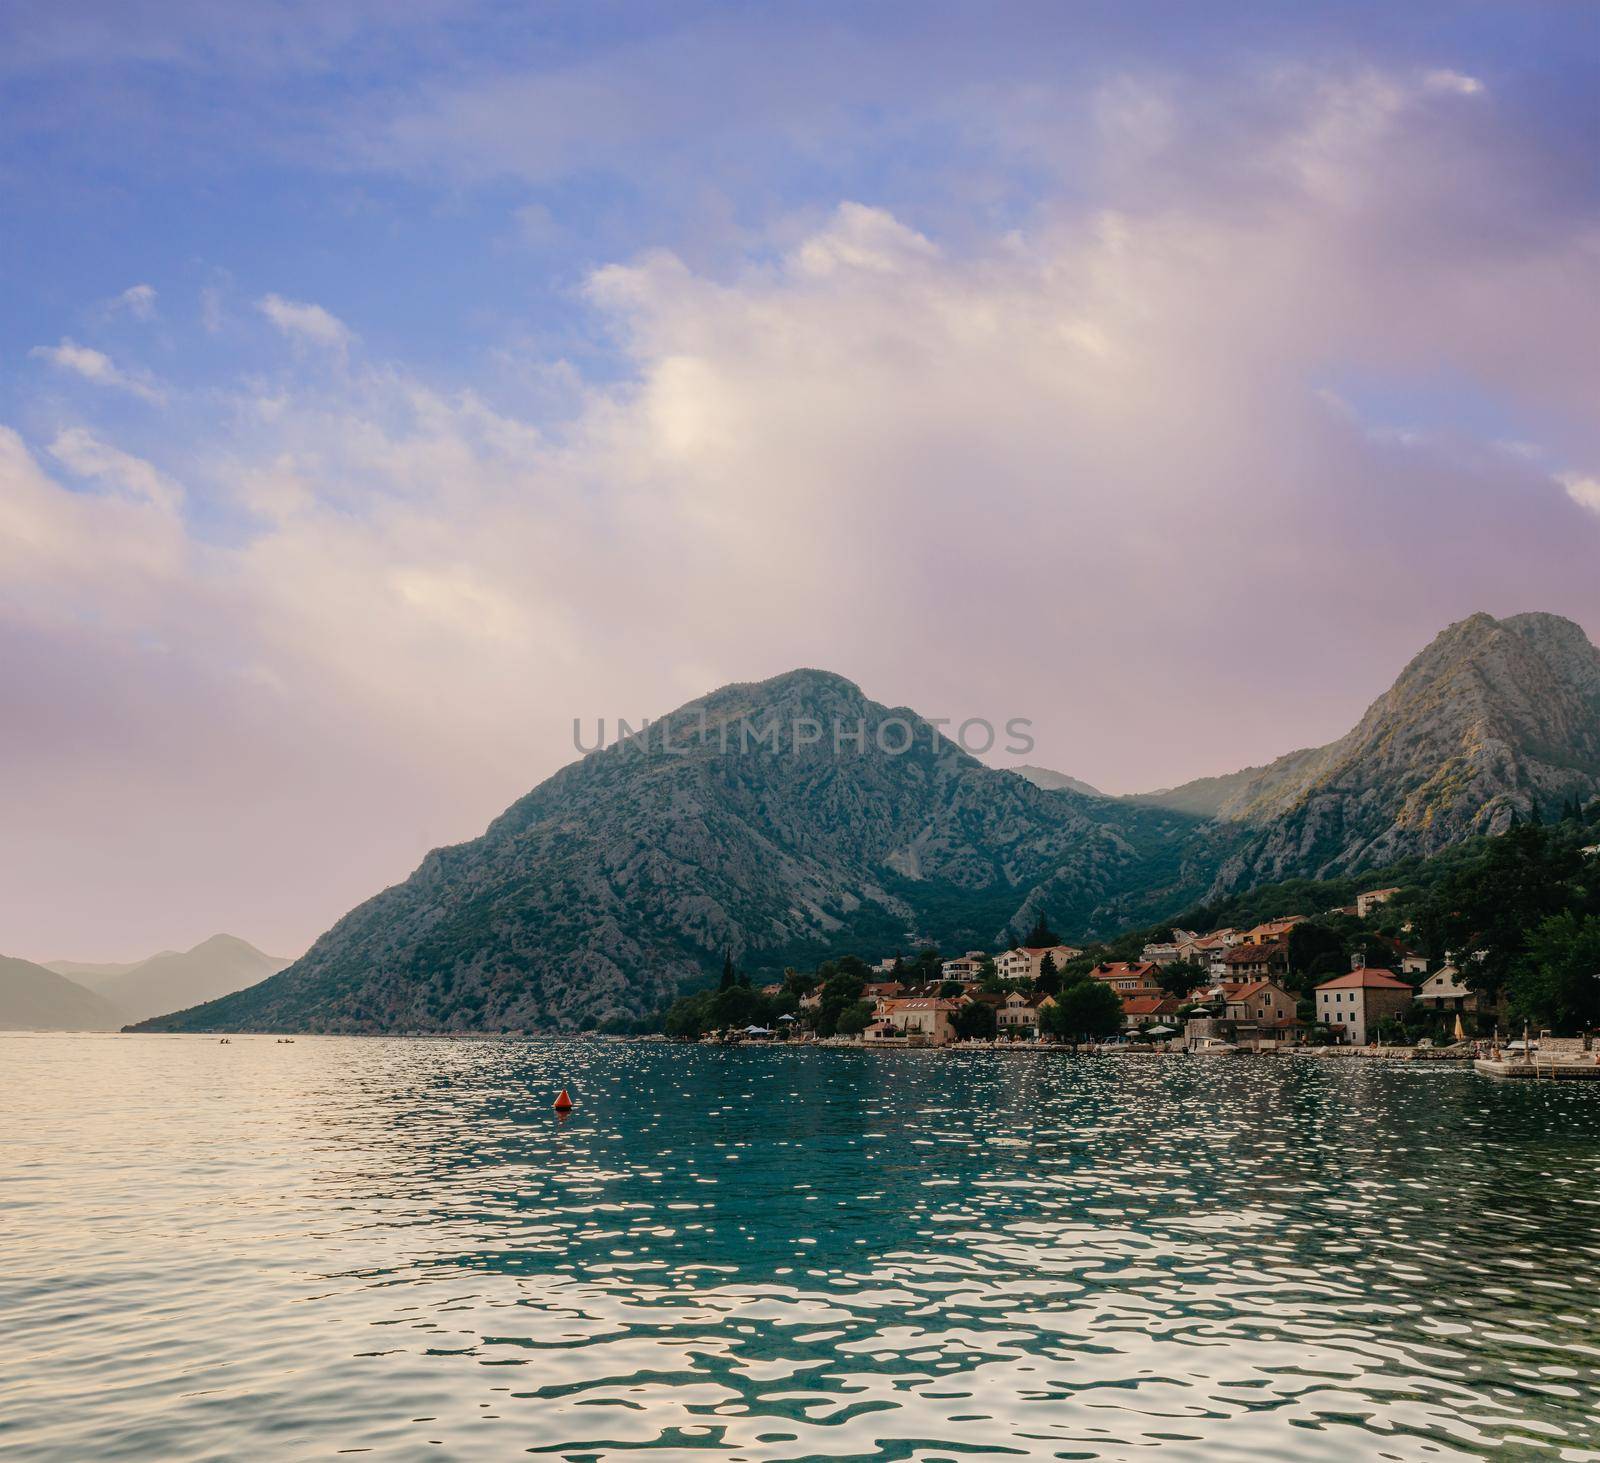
(1315,945)
(1180,977)
(1041,936)
(853,1019)
(974,1021)
(728,973)
(1085,1011)
(1049,978)
(1557,982)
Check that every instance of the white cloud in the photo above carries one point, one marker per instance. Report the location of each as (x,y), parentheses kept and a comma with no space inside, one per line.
(305,322)
(96,366)
(1584,491)
(1084,461)
(1453,82)
(137,300)
(81,452)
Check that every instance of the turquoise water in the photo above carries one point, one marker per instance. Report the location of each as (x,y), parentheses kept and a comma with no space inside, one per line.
(259,1251)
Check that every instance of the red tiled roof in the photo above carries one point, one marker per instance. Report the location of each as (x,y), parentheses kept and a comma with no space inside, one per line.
(1148,1006)
(1367,978)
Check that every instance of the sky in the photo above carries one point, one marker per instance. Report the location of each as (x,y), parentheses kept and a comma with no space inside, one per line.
(385,384)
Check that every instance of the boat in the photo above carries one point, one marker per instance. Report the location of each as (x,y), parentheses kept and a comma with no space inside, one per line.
(1211,1046)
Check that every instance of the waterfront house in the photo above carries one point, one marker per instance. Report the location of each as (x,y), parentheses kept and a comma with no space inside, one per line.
(881,990)
(1017,1018)
(1353,1004)
(1140,1011)
(1260,1014)
(1444,991)
(920,1021)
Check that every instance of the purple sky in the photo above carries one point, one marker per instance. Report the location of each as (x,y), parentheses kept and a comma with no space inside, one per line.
(384,386)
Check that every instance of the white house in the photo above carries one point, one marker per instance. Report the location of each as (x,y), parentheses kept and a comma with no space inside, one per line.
(1353,1004)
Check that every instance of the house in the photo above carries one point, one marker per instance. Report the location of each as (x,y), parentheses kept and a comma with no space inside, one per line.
(1261,1014)
(775,989)
(1253,961)
(1413,962)
(1180,947)
(964,968)
(1129,977)
(1366,903)
(1017,1019)
(1353,1004)
(1022,962)
(881,990)
(886,965)
(1443,991)
(1269,932)
(922,1021)
(1140,1011)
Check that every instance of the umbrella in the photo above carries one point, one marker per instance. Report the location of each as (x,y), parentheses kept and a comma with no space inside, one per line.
(1461,1034)
(786,1017)
(1159,1030)
(756,1031)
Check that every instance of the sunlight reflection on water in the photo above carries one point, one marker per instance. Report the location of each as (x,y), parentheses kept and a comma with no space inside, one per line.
(258,1250)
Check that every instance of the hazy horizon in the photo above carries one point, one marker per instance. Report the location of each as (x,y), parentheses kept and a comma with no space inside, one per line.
(382,387)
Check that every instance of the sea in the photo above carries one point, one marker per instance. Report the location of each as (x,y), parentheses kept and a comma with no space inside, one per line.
(397,1249)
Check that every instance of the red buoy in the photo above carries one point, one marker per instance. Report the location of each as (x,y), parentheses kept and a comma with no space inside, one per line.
(563,1102)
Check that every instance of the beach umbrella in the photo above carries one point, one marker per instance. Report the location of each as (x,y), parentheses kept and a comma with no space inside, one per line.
(1159,1030)
(1461,1034)
(786,1017)
(756,1031)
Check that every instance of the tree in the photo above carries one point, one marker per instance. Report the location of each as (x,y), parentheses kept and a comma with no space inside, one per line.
(1182,976)
(1041,936)
(1049,979)
(974,1021)
(1314,946)
(728,973)
(1487,911)
(854,1018)
(1558,981)
(950,990)
(1084,1011)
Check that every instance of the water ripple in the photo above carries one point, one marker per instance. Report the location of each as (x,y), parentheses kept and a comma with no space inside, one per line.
(395,1249)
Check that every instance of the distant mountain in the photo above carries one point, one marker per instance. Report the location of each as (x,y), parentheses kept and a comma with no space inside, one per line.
(631,872)
(89,974)
(35,999)
(173,980)
(1495,718)
(1056,781)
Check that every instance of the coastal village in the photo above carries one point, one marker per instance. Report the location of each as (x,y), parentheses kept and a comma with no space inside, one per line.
(1220,991)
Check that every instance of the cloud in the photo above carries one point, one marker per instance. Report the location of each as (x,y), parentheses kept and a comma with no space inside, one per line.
(96,366)
(137,300)
(81,452)
(1584,491)
(305,322)
(1084,470)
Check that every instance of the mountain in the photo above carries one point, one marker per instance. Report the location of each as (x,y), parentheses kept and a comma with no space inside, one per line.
(632,871)
(176,979)
(1056,781)
(628,874)
(1495,719)
(90,974)
(35,999)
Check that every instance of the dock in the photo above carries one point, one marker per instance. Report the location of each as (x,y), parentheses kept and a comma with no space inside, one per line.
(1549,1069)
